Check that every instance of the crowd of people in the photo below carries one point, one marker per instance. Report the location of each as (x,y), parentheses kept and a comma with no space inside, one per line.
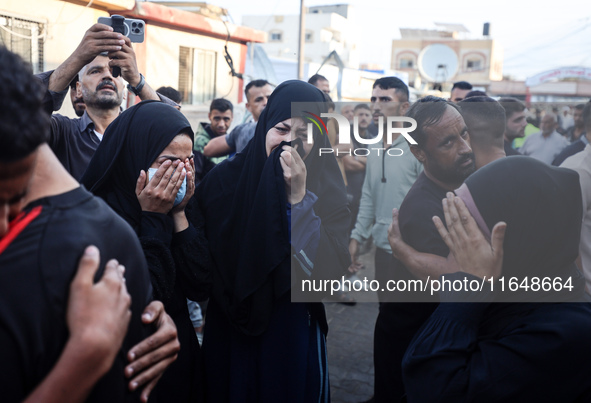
(123,232)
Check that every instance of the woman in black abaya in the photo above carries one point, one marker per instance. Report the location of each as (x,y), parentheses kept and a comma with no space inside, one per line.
(533,347)
(155,141)
(272,218)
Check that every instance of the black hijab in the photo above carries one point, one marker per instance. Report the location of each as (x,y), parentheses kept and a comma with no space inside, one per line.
(132,142)
(244,204)
(542,207)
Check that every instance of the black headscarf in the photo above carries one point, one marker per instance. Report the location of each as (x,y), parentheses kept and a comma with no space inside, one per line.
(542,207)
(244,204)
(132,142)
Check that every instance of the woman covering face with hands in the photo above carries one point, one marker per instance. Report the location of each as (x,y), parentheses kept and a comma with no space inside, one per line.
(274,215)
(516,218)
(144,170)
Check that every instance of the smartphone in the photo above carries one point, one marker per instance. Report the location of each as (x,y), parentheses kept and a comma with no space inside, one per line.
(132,28)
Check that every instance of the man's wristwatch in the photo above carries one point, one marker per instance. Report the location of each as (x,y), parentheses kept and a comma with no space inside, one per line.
(136,90)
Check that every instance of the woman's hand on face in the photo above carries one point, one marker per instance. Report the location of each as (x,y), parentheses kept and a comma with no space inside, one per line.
(158,194)
(190,168)
(473,253)
(294,174)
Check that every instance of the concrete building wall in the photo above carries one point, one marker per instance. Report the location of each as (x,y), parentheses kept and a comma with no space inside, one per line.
(287,46)
(162,49)
(65,24)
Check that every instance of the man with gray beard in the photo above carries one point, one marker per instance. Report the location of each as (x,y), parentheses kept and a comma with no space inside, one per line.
(74,141)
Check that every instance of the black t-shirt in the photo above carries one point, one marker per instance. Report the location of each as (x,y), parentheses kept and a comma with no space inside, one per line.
(569,151)
(422,202)
(399,319)
(509,151)
(37,267)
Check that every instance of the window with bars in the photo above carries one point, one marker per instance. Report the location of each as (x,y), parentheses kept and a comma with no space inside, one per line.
(197,75)
(25,38)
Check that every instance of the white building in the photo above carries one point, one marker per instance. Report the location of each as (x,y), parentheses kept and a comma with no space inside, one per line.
(328,28)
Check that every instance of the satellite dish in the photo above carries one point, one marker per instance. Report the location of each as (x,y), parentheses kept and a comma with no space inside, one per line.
(438,63)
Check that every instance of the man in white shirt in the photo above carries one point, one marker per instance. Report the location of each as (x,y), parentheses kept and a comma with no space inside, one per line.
(546,144)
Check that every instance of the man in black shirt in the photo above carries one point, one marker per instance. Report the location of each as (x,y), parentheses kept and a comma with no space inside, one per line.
(423,253)
(58,336)
(444,149)
(74,140)
(38,264)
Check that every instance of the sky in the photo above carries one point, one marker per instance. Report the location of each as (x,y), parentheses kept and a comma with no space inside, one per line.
(535,37)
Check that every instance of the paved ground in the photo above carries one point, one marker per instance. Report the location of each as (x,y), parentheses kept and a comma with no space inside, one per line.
(350,343)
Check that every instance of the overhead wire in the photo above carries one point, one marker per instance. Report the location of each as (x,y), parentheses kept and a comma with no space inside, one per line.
(228,59)
(540,38)
(73,19)
(524,52)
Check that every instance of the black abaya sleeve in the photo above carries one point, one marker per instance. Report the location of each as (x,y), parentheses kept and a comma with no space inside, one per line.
(154,234)
(331,256)
(193,263)
(182,258)
(478,352)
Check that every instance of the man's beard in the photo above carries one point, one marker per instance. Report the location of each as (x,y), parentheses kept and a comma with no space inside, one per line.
(105,102)
(79,111)
(513,136)
(79,106)
(457,173)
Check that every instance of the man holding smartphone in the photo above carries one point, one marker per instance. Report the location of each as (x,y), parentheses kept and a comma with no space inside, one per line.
(60,336)
(75,140)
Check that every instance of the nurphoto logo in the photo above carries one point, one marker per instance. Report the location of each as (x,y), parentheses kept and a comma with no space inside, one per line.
(344,133)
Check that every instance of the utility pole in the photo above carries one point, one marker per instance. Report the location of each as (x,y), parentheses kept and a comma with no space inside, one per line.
(301,40)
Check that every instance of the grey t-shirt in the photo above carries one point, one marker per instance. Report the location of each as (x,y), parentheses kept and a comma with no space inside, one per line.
(238,138)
